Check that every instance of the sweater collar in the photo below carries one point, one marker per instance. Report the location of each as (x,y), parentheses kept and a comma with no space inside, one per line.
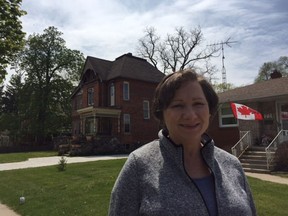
(176,151)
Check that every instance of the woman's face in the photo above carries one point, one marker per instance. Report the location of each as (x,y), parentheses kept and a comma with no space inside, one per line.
(187,116)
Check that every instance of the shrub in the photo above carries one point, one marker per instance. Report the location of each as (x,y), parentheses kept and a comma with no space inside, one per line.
(62,164)
(281,159)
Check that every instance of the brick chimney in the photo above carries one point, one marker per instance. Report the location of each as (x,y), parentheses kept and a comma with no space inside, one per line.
(275,74)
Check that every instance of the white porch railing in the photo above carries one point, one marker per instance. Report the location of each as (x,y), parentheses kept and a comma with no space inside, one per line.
(240,147)
(280,137)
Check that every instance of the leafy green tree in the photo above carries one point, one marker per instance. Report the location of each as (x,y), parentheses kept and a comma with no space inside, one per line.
(281,65)
(11,107)
(11,34)
(49,68)
(221,87)
(60,106)
(10,96)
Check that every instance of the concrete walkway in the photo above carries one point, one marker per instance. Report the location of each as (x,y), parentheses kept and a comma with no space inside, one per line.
(267,177)
(49,161)
(6,211)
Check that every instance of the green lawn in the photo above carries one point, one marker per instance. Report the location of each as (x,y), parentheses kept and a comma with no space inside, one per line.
(84,189)
(270,198)
(17,157)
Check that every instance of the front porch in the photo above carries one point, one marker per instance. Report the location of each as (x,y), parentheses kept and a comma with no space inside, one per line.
(98,122)
(260,159)
(95,130)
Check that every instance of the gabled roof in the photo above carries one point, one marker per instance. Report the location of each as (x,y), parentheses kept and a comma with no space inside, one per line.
(99,66)
(125,66)
(258,91)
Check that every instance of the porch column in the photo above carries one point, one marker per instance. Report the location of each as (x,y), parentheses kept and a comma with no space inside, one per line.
(82,124)
(119,128)
(94,123)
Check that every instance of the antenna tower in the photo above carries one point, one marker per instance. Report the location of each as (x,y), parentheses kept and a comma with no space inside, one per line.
(227,42)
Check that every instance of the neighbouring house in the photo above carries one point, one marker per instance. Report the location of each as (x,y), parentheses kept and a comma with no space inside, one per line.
(270,98)
(113,100)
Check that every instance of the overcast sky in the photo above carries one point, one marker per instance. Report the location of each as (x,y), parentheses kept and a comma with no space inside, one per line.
(110,28)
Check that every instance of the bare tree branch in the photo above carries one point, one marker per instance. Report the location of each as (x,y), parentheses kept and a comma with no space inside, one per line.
(148,46)
(177,51)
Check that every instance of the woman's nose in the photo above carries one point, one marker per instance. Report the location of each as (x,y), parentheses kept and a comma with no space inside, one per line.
(189,113)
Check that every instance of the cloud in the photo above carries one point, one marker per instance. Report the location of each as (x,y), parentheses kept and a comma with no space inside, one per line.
(108,29)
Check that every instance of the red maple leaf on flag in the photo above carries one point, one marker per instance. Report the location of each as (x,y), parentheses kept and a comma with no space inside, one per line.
(244,110)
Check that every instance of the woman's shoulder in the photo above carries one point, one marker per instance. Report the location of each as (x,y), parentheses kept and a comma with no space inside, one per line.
(225,156)
(146,156)
(147,149)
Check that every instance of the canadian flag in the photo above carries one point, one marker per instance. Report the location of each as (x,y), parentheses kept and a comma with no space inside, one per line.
(243,112)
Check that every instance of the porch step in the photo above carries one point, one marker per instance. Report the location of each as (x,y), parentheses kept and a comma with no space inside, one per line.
(254,160)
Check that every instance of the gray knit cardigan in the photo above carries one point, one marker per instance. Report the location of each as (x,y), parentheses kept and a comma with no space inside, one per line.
(153,181)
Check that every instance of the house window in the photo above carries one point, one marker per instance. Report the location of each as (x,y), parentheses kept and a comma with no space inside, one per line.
(90,96)
(226,117)
(284,116)
(146,109)
(112,94)
(127,126)
(126,93)
(104,126)
(90,127)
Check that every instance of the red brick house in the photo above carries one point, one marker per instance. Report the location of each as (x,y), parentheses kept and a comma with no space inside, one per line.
(269,97)
(113,99)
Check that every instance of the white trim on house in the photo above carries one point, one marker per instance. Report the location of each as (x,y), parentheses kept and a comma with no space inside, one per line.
(228,115)
(146,109)
(100,111)
(126,91)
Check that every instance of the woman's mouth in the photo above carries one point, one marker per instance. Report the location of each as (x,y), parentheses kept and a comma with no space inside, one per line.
(190,126)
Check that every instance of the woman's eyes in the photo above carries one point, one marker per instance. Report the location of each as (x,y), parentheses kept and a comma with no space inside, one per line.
(177,105)
(183,105)
(199,104)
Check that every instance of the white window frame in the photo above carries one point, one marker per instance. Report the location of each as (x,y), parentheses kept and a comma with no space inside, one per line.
(146,109)
(112,94)
(222,116)
(126,91)
(126,121)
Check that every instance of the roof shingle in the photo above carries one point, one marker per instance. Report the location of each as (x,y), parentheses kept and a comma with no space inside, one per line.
(265,89)
(126,66)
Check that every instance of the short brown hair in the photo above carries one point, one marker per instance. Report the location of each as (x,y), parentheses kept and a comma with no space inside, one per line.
(166,89)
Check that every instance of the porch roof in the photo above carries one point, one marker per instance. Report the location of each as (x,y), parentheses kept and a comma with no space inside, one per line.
(96,111)
(257,92)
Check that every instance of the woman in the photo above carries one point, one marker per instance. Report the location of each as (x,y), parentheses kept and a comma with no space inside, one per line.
(182,173)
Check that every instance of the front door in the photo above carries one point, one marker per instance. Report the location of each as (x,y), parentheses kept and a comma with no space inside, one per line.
(283,117)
